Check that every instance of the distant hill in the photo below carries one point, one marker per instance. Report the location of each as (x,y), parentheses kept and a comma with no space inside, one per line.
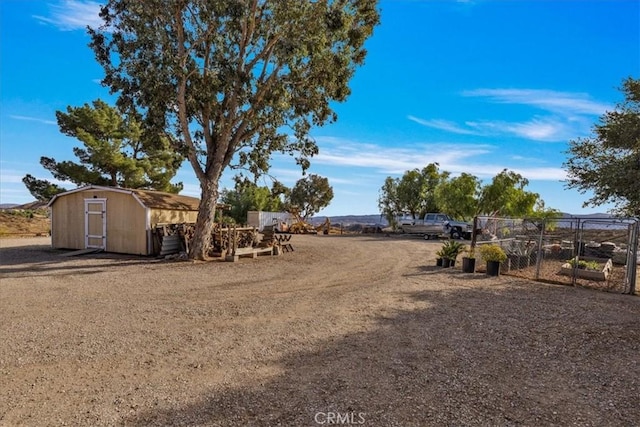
(347,220)
(595,215)
(8,205)
(37,204)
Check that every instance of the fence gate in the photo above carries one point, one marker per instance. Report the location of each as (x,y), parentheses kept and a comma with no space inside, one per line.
(600,253)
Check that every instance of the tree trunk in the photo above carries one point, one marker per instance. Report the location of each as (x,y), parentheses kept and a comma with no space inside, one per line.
(201,242)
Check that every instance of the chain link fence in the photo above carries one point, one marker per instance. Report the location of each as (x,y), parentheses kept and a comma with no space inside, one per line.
(600,253)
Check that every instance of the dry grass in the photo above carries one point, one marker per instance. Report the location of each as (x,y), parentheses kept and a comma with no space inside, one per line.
(24,223)
(349,324)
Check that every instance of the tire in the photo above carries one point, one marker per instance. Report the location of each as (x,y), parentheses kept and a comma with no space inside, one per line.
(426,237)
(455,233)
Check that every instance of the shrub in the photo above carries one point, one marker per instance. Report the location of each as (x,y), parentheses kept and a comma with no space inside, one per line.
(451,249)
(492,253)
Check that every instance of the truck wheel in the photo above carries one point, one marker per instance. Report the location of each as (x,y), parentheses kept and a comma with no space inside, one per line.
(455,233)
(426,237)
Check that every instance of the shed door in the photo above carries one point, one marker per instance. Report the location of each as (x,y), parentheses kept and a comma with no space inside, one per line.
(95,223)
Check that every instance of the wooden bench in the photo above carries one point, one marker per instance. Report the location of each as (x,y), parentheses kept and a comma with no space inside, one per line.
(252,252)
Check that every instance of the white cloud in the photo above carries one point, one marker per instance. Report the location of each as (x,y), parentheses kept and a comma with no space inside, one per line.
(14,176)
(445,125)
(286,176)
(453,157)
(566,103)
(520,158)
(392,159)
(11,176)
(540,130)
(489,170)
(71,15)
(537,129)
(33,119)
(568,115)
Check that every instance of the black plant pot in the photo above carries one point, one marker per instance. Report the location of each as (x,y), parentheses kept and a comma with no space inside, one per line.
(438,262)
(493,268)
(446,262)
(468,265)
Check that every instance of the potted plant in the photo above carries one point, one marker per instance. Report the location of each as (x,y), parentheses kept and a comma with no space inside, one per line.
(469,261)
(493,255)
(451,249)
(440,257)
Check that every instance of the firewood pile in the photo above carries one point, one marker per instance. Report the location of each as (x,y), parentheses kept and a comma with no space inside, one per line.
(268,237)
(224,239)
(172,238)
(175,238)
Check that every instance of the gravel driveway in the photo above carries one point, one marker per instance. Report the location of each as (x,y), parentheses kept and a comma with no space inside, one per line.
(356,329)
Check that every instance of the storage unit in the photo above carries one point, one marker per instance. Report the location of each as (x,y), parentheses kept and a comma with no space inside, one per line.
(115,219)
(259,219)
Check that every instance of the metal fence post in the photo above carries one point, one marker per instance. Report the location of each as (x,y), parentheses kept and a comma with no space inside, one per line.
(540,249)
(632,257)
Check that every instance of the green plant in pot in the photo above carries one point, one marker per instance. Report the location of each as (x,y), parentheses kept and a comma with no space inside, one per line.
(493,255)
(439,258)
(469,260)
(451,249)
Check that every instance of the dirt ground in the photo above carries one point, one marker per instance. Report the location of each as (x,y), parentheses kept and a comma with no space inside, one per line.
(360,330)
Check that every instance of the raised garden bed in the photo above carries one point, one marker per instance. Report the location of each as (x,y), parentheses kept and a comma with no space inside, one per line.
(588,268)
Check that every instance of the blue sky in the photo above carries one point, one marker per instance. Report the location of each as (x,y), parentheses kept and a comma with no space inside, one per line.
(475,85)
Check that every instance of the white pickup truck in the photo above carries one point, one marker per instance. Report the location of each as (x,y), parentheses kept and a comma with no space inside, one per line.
(435,225)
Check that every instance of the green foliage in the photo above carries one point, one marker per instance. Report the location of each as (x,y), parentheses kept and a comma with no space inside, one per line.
(388,201)
(543,215)
(451,249)
(235,80)
(416,190)
(117,152)
(311,195)
(506,196)
(608,163)
(41,189)
(414,193)
(463,196)
(458,196)
(584,265)
(247,196)
(491,252)
(471,252)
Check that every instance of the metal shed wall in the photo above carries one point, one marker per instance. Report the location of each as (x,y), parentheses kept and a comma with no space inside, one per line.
(259,219)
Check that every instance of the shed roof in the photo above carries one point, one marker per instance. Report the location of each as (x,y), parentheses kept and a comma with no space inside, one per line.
(148,198)
(162,200)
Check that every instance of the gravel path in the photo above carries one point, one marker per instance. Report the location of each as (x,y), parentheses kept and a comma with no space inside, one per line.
(346,328)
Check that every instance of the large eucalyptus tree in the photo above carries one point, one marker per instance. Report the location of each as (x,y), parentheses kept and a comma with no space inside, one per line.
(236,80)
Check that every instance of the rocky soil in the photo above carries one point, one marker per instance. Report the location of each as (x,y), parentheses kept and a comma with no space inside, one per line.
(359,329)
